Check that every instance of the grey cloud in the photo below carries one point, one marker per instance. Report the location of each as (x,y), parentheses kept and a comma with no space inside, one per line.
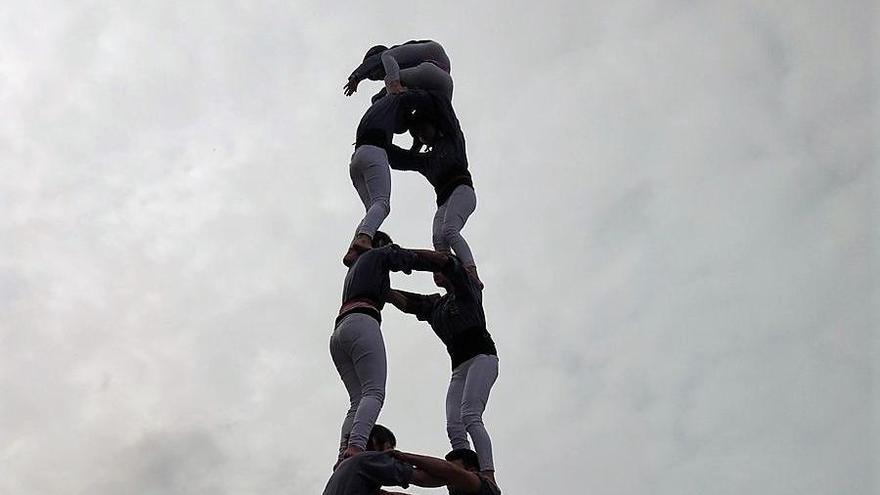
(675,225)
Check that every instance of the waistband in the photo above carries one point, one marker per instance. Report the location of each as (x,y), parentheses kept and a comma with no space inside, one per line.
(359,305)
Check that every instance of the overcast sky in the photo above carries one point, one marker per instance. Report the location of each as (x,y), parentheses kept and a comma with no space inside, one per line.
(674,227)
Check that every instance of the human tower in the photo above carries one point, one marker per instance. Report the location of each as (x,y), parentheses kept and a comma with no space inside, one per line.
(416,97)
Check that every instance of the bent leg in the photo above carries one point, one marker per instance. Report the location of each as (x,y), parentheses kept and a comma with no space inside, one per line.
(428,76)
(481,376)
(458,208)
(371,176)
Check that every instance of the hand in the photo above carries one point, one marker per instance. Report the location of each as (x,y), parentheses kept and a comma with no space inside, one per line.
(396,87)
(350,87)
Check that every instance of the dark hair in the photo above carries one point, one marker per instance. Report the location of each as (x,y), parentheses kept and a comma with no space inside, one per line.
(380,435)
(381,239)
(467,456)
(374,50)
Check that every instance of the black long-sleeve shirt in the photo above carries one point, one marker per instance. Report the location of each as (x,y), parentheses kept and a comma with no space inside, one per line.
(456,317)
(368,280)
(445,165)
(365,473)
(388,115)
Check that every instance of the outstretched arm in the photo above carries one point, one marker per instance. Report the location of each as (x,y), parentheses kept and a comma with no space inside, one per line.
(415,304)
(399,259)
(430,260)
(392,73)
(363,71)
(398,300)
(440,470)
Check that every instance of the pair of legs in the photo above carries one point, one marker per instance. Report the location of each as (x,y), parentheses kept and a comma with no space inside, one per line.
(427,76)
(466,400)
(448,222)
(358,351)
(371,177)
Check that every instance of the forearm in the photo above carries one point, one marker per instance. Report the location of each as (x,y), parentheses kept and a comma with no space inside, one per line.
(399,300)
(437,469)
(366,68)
(441,471)
(425,480)
(427,260)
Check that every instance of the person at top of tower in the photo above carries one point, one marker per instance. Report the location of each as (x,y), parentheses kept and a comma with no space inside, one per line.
(419,64)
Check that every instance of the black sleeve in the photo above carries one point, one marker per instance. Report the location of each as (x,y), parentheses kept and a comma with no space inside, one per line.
(401,159)
(465,288)
(421,306)
(367,67)
(385,470)
(398,259)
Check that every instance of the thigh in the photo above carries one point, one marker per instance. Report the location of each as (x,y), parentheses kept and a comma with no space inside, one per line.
(368,353)
(355,171)
(427,76)
(341,355)
(481,377)
(461,203)
(377,174)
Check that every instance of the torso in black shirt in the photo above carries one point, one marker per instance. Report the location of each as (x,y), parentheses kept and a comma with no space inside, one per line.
(387,116)
(365,473)
(368,280)
(457,317)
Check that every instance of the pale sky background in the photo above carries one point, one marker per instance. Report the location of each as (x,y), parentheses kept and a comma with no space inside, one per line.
(677,227)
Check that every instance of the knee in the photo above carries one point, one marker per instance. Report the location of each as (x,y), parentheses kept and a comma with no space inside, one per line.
(375,393)
(383,203)
(471,416)
(449,232)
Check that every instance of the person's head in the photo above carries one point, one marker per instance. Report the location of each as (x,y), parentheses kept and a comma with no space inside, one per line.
(464,458)
(379,72)
(424,130)
(381,239)
(375,50)
(381,439)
